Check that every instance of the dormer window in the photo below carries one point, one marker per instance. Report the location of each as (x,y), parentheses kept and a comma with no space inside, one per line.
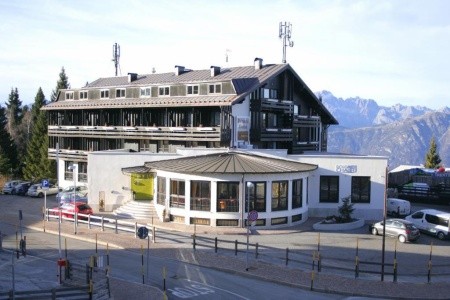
(83,95)
(215,88)
(192,89)
(69,95)
(164,91)
(104,94)
(120,93)
(146,92)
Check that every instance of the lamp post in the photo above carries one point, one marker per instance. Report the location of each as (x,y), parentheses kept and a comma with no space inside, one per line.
(249,185)
(73,168)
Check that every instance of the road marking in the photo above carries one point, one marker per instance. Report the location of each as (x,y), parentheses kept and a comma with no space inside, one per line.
(198,289)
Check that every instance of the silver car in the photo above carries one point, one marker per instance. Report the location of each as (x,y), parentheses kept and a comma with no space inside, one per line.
(398,228)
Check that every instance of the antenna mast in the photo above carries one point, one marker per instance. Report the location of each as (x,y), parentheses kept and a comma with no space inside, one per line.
(285,35)
(116,56)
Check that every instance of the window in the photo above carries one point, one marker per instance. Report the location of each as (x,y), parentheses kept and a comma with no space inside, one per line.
(215,88)
(297,193)
(329,189)
(200,195)
(164,91)
(228,196)
(161,191)
(83,95)
(69,95)
(177,193)
(104,94)
(192,90)
(417,215)
(279,195)
(360,189)
(257,194)
(120,93)
(146,92)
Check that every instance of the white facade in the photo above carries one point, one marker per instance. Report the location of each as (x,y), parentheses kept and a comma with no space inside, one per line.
(107,182)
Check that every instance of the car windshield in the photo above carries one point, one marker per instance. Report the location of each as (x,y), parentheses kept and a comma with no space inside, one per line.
(83,207)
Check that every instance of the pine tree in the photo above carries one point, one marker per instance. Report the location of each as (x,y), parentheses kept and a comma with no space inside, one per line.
(39,102)
(432,159)
(8,150)
(37,165)
(62,83)
(14,112)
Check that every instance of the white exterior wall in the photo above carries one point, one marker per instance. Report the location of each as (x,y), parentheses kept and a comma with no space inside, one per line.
(105,175)
(213,215)
(374,167)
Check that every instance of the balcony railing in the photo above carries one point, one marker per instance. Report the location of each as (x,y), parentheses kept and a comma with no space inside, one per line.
(212,134)
(285,106)
(276,134)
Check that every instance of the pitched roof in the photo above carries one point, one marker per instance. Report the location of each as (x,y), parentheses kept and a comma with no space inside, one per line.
(231,162)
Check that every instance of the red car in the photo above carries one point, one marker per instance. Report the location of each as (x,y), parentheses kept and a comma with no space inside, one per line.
(80,208)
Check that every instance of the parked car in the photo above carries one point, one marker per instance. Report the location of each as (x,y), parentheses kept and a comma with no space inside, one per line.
(398,228)
(21,188)
(398,207)
(66,191)
(9,186)
(431,221)
(67,210)
(68,197)
(36,190)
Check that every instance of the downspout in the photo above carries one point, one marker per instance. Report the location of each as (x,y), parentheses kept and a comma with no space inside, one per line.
(243,200)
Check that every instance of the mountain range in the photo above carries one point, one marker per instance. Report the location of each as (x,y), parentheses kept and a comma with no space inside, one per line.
(400,132)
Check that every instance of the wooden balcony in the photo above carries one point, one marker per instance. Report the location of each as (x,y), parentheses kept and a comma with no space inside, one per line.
(273,134)
(306,121)
(72,155)
(212,134)
(273,105)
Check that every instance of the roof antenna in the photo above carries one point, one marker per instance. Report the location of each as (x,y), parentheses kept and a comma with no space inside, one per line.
(285,34)
(116,56)
(226,55)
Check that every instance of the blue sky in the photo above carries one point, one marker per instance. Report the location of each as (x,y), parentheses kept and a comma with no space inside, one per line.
(389,51)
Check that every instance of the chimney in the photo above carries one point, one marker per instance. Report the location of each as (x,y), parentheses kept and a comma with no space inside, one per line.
(215,71)
(179,70)
(258,63)
(132,77)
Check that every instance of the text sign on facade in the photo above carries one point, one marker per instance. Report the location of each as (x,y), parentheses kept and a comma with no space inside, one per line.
(243,128)
(346,168)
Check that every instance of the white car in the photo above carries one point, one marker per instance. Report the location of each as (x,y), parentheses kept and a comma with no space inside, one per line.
(36,190)
(68,191)
(9,186)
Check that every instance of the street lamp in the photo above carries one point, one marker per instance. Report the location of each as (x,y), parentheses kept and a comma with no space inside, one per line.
(249,185)
(73,168)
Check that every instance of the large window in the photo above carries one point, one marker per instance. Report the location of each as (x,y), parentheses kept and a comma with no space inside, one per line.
(329,189)
(279,195)
(192,89)
(360,189)
(297,193)
(83,95)
(146,92)
(120,93)
(257,194)
(215,88)
(177,193)
(69,95)
(104,94)
(200,195)
(164,91)
(228,196)
(161,192)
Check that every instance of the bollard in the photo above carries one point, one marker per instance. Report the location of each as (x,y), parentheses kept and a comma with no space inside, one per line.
(103,224)
(356,267)
(135,229)
(142,264)
(153,235)
(116,226)
(23,246)
(287,256)
(193,241)
(215,244)
(395,270)
(89,221)
(235,247)
(312,280)
(256,250)
(1,241)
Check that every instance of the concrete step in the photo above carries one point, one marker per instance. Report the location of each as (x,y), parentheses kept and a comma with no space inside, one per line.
(136,210)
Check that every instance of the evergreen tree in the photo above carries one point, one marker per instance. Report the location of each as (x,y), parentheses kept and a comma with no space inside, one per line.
(14,112)
(62,83)
(432,159)
(37,165)
(8,150)
(39,102)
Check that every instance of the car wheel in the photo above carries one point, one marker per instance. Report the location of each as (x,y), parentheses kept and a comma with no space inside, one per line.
(441,235)
(402,238)
(40,195)
(374,231)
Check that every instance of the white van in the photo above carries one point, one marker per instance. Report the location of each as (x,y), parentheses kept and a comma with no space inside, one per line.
(432,221)
(397,207)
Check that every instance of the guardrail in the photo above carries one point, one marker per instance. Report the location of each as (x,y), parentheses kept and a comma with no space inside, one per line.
(95,221)
(55,293)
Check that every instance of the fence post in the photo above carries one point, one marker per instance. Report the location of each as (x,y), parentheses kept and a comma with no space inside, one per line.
(429,262)
(116,225)
(89,221)
(135,229)
(1,240)
(215,244)
(319,262)
(312,280)
(357,259)
(235,248)
(287,256)
(193,241)
(256,250)
(153,235)
(103,224)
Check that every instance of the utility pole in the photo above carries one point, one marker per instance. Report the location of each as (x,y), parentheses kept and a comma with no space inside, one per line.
(285,34)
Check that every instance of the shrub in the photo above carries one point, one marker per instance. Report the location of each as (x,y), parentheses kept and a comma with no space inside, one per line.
(346,210)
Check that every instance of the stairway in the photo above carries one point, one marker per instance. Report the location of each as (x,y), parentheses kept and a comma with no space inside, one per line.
(136,210)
